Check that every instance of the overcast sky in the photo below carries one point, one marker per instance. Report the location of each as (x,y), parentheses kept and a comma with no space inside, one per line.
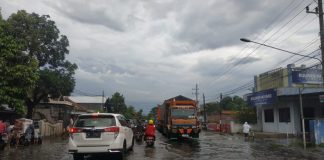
(154,50)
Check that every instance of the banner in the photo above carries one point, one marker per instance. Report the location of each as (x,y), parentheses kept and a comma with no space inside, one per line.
(262,97)
(310,76)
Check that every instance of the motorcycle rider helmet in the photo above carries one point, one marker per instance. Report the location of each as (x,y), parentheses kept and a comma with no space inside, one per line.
(151,122)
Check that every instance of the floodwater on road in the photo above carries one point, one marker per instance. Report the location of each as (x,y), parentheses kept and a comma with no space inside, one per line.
(209,146)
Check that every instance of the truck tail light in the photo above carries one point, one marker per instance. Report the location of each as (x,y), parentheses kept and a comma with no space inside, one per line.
(114,129)
(189,130)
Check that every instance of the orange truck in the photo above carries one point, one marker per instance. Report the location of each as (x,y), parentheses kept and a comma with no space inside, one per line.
(177,118)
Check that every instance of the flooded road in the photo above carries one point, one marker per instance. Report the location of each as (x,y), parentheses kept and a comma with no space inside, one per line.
(209,146)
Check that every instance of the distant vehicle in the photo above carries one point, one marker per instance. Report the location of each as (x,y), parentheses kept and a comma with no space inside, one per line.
(177,118)
(100,133)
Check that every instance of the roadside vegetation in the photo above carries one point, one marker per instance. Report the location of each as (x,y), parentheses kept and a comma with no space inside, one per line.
(33,66)
(244,112)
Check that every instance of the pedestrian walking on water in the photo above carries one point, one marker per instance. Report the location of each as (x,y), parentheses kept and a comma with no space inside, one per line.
(246,129)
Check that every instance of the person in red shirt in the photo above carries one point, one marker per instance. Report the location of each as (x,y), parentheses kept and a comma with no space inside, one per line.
(150,129)
(2,127)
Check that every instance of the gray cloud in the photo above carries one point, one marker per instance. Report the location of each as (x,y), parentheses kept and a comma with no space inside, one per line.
(217,24)
(244,60)
(97,12)
(153,50)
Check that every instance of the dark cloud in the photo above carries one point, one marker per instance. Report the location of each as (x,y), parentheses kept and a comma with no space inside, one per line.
(96,13)
(217,24)
(244,60)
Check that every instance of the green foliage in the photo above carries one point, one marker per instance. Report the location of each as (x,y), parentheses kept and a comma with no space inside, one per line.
(117,105)
(236,103)
(18,71)
(247,114)
(152,113)
(39,37)
(117,102)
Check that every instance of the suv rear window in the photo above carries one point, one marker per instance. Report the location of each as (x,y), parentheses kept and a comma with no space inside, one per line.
(95,121)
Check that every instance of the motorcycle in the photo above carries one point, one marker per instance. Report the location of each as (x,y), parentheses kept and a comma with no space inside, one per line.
(3,141)
(149,140)
(138,136)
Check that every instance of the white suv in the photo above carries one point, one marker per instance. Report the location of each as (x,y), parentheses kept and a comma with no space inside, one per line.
(100,133)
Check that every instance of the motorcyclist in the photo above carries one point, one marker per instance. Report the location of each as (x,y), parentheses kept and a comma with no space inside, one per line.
(150,129)
(3,127)
(139,127)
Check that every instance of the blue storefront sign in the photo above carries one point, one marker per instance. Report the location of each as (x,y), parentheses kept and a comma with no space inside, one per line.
(262,97)
(310,76)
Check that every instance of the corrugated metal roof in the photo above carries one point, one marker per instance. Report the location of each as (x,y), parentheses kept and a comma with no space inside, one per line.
(87,99)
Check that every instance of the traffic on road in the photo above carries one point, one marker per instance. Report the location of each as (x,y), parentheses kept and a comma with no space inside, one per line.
(210,145)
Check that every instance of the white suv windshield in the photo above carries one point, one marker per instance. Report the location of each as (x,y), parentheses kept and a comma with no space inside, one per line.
(95,121)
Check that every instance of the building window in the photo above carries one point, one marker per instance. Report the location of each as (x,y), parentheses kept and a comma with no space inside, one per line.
(268,115)
(284,115)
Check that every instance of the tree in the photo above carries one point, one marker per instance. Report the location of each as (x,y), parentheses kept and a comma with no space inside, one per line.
(245,113)
(152,113)
(40,38)
(130,112)
(139,114)
(117,102)
(18,71)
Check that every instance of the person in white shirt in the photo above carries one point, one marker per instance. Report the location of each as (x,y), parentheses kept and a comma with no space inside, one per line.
(246,129)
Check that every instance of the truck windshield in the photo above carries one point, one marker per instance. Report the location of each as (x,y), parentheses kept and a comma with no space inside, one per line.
(183,112)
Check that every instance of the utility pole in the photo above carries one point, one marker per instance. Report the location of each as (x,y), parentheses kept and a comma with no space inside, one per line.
(302,116)
(196,93)
(103,101)
(221,110)
(320,16)
(205,117)
(319,12)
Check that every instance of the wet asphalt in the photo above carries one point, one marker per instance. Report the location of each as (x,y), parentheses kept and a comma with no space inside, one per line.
(209,146)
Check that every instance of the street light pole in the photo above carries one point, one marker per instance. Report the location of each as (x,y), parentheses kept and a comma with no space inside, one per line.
(247,40)
(299,91)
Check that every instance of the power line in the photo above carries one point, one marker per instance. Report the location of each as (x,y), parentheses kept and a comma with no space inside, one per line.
(245,58)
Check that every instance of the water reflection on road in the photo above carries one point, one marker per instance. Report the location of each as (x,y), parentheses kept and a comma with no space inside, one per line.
(208,146)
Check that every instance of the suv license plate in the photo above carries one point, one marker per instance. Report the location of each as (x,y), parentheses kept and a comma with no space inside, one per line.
(93,134)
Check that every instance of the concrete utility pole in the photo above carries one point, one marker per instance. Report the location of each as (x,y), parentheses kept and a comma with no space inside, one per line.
(196,93)
(319,11)
(320,16)
(302,116)
(103,101)
(221,109)
(205,117)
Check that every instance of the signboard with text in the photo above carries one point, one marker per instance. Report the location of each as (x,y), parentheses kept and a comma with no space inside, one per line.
(310,76)
(262,97)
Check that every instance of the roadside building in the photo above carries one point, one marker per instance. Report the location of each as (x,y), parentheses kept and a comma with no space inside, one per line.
(53,111)
(90,103)
(278,94)
(8,114)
